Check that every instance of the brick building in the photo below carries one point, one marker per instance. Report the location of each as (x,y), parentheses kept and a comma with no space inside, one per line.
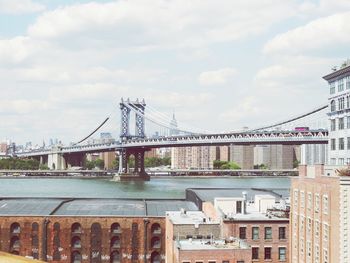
(58,230)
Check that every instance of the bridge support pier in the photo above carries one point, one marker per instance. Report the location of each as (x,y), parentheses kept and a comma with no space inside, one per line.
(56,161)
(125,172)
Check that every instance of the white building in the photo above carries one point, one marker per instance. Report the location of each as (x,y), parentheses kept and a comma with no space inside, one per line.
(339,115)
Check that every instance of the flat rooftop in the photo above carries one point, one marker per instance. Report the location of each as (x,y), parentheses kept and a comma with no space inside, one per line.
(209,194)
(208,244)
(90,207)
(189,218)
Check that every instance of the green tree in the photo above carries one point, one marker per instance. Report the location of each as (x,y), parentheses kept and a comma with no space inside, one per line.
(99,163)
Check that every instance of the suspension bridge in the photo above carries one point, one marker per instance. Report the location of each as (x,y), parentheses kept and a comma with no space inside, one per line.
(310,130)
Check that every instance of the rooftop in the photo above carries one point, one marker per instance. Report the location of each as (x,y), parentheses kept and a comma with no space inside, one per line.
(189,218)
(208,244)
(90,207)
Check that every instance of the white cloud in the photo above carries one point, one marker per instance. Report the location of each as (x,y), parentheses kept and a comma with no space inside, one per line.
(216,77)
(20,6)
(160,23)
(325,32)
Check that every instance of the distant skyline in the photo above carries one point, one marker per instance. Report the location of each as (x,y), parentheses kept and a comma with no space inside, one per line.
(219,65)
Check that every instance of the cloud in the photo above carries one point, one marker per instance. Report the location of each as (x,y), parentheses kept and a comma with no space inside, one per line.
(216,77)
(160,23)
(325,32)
(20,6)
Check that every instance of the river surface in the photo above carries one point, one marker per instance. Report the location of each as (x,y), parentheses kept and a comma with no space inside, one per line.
(170,187)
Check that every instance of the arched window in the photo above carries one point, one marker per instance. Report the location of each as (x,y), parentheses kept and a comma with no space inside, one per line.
(15,228)
(155,257)
(56,227)
(155,229)
(115,257)
(115,228)
(76,242)
(35,227)
(332,105)
(76,228)
(155,242)
(76,257)
(115,242)
(15,243)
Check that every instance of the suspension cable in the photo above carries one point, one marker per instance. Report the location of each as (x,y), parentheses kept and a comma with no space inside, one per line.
(103,123)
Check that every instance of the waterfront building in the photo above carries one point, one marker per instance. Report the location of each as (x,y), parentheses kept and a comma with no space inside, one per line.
(339,115)
(197,157)
(191,237)
(243,155)
(260,218)
(320,209)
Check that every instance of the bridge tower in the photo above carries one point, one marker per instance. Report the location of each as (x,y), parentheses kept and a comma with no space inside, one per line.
(138,106)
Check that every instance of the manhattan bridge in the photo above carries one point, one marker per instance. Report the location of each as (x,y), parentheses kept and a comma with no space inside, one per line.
(307,128)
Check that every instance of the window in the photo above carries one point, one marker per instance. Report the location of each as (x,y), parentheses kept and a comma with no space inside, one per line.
(341,161)
(341,124)
(333,147)
(340,85)
(255,253)
(282,233)
(309,201)
(341,103)
(240,261)
(282,253)
(348,122)
(267,253)
(268,232)
(239,207)
(155,229)
(317,203)
(225,261)
(211,261)
(242,233)
(348,102)
(255,233)
(341,143)
(333,125)
(348,82)
(333,161)
(325,204)
(317,229)
(302,199)
(332,88)
(332,105)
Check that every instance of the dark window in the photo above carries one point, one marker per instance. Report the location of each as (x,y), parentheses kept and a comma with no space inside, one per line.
(35,227)
(115,257)
(76,242)
(155,229)
(115,228)
(267,253)
(76,257)
(240,261)
(268,233)
(155,257)
(255,233)
(255,253)
(15,228)
(115,242)
(242,232)
(239,207)
(225,261)
(282,233)
(333,105)
(76,228)
(15,243)
(155,242)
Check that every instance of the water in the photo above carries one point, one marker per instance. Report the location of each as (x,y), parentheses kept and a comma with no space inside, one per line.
(104,188)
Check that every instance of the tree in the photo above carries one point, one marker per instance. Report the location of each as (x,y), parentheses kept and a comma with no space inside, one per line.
(99,163)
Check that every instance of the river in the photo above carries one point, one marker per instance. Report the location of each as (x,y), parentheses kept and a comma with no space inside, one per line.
(170,187)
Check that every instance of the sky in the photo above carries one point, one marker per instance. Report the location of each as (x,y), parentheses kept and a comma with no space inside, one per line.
(218,64)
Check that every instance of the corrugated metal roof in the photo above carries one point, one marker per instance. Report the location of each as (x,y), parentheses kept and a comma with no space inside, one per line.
(28,206)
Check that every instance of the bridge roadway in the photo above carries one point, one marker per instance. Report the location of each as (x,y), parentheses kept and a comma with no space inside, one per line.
(244,138)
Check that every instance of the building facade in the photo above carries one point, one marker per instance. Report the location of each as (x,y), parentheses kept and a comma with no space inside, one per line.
(339,115)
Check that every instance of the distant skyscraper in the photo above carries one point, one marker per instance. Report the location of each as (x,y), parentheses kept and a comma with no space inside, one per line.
(173,126)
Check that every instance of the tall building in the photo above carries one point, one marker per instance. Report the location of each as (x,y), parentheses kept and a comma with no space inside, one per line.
(339,115)
(281,156)
(313,154)
(190,157)
(262,155)
(320,205)
(243,155)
